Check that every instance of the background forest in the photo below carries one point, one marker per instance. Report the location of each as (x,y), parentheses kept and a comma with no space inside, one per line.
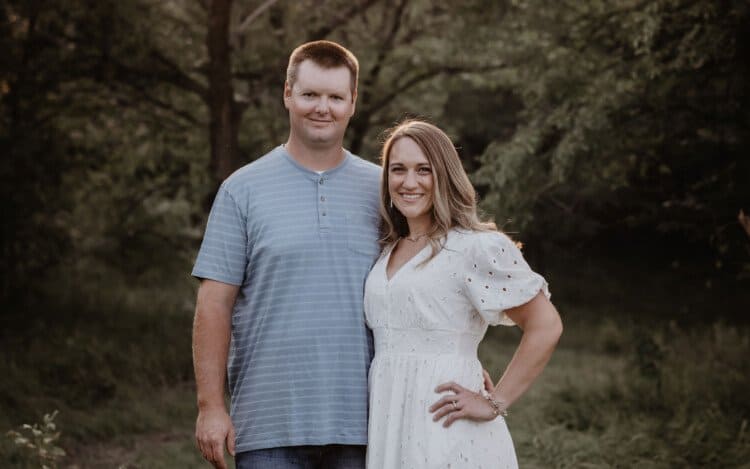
(611,137)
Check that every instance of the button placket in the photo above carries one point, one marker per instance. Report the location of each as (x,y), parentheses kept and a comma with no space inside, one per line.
(324,216)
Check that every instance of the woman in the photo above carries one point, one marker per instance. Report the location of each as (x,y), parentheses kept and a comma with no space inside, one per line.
(442,278)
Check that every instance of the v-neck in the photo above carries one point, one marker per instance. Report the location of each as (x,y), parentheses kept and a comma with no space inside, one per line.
(404,265)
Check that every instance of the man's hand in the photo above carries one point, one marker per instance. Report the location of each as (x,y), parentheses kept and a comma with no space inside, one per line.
(214,430)
(211,335)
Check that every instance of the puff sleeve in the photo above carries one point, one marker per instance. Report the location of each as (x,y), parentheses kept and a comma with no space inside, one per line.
(496,277)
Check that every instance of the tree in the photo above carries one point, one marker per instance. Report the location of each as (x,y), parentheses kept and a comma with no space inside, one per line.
(32,78)
(69,108)
(634,121)
(113,108)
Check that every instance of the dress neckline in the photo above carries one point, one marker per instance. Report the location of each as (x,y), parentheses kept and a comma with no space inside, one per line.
(403,266)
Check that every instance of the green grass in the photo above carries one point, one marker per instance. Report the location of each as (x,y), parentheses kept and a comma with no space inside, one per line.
(618,392)
(116,363)
(666,398)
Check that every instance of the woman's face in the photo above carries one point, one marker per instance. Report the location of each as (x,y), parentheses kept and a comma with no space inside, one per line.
(410,181)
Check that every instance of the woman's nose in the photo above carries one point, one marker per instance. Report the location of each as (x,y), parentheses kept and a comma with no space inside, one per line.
(411,179)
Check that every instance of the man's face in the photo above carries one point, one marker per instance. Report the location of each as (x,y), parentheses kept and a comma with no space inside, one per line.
(320,104)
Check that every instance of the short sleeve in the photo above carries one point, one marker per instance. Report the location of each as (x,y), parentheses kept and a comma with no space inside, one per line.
(498,278)
(223,252)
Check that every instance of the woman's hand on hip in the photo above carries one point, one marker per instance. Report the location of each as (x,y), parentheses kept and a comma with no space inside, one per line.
(462,404)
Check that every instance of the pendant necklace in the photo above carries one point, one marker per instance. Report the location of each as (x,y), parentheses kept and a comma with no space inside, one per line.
(414,239)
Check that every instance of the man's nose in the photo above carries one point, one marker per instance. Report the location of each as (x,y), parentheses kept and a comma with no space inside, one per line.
(321,106)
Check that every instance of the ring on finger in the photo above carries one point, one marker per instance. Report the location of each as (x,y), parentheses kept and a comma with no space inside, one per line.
(455,404)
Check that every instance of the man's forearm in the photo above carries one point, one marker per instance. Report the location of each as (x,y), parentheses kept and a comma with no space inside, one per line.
(211,333)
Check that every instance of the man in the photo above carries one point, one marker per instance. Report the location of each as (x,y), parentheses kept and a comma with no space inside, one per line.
(288,245)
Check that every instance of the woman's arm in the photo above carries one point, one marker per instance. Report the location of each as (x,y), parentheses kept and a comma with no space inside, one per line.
(542,328)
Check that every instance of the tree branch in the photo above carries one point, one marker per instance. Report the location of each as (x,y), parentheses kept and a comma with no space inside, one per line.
(341,19)
(177,77)
(429,74)
(385,48)
(362,121)
(141,91)
(247,21)
(203,4)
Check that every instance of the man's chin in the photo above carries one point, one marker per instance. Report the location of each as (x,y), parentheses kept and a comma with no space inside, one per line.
(326,137)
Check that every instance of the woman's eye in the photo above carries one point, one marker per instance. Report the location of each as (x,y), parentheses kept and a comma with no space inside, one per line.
(425,170)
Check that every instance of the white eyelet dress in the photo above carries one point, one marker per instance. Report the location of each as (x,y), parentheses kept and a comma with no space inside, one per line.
(427,322)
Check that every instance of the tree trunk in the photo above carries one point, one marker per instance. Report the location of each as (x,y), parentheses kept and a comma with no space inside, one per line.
(224,111)
(357,130)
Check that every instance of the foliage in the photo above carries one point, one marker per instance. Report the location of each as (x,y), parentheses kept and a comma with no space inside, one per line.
(634,123)
(100,159)
(684,409)
(39,441)
(585,123)
(595,406)
(612,123)
(37,152)
(94,348)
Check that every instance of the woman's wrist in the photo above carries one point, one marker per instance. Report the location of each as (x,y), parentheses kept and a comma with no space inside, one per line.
(499,407)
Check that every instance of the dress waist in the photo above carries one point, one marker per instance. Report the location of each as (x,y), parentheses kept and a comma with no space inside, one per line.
(421,341)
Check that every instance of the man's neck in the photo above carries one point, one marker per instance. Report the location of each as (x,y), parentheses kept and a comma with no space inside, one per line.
(315,159)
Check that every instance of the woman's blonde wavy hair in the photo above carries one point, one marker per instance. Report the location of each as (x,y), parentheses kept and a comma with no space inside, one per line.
(454,202)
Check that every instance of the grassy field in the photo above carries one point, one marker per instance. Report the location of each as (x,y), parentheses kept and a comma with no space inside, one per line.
(632,400)
(617,393)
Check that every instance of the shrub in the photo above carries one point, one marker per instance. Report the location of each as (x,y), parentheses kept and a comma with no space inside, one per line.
(678,401)
(38,443)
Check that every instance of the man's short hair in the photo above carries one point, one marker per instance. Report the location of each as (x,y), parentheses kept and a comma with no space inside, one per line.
(324,54)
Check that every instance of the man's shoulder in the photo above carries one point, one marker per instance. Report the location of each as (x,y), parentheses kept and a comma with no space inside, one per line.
(256,170)
(365,167)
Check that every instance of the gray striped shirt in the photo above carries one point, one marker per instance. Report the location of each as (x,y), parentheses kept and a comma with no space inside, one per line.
(299,244)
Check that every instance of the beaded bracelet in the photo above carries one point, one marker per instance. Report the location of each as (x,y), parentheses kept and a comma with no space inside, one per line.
(497,406)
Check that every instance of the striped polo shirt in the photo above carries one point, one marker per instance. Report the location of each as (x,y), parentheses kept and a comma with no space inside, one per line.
(299,244)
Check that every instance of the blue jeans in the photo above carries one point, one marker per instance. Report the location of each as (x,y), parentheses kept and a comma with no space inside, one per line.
(303,457)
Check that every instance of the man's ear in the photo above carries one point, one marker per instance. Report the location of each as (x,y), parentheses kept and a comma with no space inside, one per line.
(287,94)
(354,102)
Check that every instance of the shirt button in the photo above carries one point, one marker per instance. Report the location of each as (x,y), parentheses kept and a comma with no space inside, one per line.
(322,198)
(321,181)
(324,213)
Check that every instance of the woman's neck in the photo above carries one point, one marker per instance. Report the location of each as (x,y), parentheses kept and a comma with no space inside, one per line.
(419,226)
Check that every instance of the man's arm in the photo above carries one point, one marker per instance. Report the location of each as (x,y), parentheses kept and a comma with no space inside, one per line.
(211,333)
